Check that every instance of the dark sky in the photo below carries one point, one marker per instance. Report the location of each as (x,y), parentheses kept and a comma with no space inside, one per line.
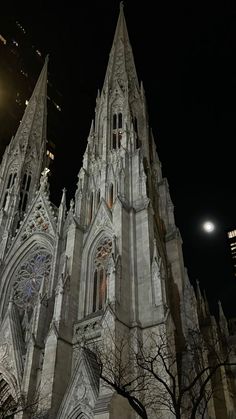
(185,53)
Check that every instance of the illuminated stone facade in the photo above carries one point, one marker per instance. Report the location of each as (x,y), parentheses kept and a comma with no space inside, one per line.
(114,258)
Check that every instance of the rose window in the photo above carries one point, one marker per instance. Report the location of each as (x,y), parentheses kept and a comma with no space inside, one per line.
(29,278)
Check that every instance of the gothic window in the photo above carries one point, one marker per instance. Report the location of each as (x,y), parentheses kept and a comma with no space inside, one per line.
(24,181)
(25,186)
(10,182)
(119,120)
(117,130)
(28,183)
(135,122)
(110,196)
(29,277)
(114,121)
(98,197)
(90,209)
(102,256)
(8,404)
(5,200)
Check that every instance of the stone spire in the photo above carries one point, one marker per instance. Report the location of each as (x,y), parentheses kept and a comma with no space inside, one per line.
(32,129)
(121,68)
(24,160)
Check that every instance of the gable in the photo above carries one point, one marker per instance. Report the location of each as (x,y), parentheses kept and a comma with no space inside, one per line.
(82,391)
(39,219)
(11,344)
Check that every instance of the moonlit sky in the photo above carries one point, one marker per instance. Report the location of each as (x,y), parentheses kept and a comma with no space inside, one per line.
(185,54)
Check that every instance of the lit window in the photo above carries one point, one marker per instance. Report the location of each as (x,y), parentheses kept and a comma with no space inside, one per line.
(50,155)
(232,234)
(26,102)
(57,106)
(24,73)
(117,130)
(102,257)
(38,52)
(3,40)
(15,43)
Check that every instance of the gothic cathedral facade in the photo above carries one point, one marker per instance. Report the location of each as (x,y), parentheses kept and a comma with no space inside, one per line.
(113,258)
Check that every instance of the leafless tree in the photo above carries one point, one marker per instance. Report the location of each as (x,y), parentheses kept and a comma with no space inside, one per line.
(11,406)
(154,377)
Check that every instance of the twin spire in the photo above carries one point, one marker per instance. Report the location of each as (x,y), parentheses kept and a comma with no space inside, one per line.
(121,66)
(32,128)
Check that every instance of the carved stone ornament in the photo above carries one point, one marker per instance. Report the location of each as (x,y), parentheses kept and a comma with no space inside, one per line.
(3,351)
(29,277)
(38,222)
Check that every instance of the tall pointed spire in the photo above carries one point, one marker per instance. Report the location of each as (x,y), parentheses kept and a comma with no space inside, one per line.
(32,128)
(121,68)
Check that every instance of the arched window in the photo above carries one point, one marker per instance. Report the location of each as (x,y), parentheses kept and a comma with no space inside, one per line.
(110,196)
(135,122)
(5,200)
(10,182)
(102,256)
(29,276)
(114,121)
(25,186)
(117,130)
(24,181)
(119,120)
(28,183)
(8,404)
(90,209)
(98,197)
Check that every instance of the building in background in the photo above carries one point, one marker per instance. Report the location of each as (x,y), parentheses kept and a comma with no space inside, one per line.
(232,244)
(20,63)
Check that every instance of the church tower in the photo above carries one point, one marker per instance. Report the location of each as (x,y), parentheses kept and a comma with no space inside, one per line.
(107,270)
(23,161)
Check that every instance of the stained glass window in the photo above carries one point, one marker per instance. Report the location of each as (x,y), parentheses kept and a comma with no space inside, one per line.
(29,277)
(102,256)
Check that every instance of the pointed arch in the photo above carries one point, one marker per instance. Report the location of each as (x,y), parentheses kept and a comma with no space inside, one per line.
(110,196)
(8,392)
(94,273)
(25,187)
(9,182)
(117,126)
(90,207)
(102,255)
(77,413)
(98,197)
(16,259)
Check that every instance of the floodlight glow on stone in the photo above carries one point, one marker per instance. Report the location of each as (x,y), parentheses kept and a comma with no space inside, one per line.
(208,226)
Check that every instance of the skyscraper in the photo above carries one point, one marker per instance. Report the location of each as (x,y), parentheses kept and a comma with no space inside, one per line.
(232,243)
(20,62)
(109,268)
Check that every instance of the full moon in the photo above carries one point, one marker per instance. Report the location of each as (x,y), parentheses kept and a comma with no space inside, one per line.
(208,226)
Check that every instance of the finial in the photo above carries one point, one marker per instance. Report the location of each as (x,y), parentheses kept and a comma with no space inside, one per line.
(63,197)
(44,178)
(121,5)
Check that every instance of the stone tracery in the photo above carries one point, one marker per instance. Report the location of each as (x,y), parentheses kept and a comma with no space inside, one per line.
(29,277)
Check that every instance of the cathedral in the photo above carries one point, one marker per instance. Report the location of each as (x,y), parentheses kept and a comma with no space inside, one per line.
(110,266)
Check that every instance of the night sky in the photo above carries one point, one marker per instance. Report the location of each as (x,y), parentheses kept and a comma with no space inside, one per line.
(185,53)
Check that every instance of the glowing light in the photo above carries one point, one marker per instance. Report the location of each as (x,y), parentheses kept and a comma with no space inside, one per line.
(208,226)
